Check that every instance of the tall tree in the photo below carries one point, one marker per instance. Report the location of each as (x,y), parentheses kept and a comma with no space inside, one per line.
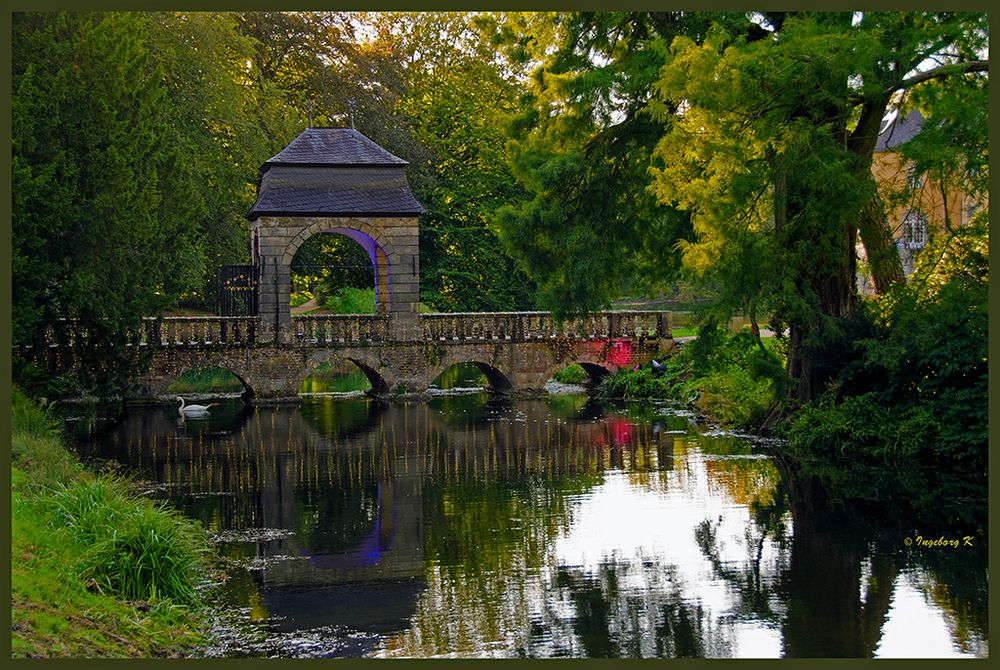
(582,147)
(127,153)
(774,139)
(764,127)
(458,101)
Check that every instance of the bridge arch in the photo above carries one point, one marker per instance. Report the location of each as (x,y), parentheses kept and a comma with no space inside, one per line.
(368,364)
(596,370)
(497,380)
(184,367)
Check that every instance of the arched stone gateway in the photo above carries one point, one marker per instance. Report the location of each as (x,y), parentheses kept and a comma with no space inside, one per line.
(336,180)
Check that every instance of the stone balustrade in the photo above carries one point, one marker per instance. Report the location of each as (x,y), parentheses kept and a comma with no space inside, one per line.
(176,331)
(333,329)
(199,331)
(355,329)
(532,326)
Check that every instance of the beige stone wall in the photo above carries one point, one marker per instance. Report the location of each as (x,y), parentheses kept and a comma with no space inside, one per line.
(892,174)
(397,265)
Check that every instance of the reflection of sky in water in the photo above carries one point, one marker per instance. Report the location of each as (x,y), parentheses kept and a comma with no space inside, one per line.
(915,628)
(633,526)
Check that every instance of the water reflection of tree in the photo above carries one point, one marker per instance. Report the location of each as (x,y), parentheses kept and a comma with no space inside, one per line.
(612,621)
(956,582)
(477,530)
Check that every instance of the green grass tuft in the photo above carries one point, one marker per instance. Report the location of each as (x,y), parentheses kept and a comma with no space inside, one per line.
(572,374)
(96,570)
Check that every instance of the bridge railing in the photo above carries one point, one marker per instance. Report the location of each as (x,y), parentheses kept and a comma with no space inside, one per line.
(329,329)
(528,326)
(334,329)
(198,331)
(173,331)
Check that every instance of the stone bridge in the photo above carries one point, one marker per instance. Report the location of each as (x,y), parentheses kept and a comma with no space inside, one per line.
(337,181)
(516,351)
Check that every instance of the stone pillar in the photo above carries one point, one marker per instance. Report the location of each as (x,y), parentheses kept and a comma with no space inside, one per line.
(274,236)
(405,279)
(383,298)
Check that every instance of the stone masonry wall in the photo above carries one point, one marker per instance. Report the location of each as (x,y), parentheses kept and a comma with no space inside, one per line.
(275,373)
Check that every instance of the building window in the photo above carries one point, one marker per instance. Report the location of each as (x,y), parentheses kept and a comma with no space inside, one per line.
(915,229)
(970,211)
(914,177)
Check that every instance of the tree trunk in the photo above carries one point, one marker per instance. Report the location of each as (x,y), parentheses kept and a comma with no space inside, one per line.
(876,234)
(836,289)
(880,247)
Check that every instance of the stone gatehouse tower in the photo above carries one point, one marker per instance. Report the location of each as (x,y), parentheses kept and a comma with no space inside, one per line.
(336,180)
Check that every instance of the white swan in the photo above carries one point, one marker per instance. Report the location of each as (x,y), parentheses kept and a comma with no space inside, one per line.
(190,410)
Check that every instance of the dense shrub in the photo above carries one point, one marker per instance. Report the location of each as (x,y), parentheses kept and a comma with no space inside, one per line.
(729,379)
(572,374)
(906,421)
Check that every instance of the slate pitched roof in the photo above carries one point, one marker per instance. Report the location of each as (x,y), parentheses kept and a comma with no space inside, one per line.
(334,172)
(898,130)
(333,146)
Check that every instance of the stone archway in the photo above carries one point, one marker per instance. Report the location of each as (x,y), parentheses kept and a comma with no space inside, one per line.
(374,241)
(336,180)
(391,244)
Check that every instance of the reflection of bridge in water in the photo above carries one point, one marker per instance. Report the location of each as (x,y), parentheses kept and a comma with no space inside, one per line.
(324,462)
(382,498)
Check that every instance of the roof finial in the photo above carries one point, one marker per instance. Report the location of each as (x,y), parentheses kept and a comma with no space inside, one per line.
(350,113)
(310,113)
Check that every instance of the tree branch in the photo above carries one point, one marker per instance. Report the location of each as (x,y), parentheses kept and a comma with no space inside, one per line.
(944,71)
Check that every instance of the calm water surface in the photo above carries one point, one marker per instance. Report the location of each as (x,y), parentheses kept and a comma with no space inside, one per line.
(473,526)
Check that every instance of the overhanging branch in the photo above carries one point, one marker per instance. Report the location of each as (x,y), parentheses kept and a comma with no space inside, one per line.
(944,71)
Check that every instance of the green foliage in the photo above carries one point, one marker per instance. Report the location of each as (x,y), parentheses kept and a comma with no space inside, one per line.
(352,301)
(96,571)
(130,167)
(327,263)
(729,379)
(35,447)
(206,380)
(582,148)
(458,103)
(642,383)
(572,374)
(299,298)
(907,421)
(746,168)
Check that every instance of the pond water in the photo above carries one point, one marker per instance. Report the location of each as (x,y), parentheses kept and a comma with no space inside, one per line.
(474,526)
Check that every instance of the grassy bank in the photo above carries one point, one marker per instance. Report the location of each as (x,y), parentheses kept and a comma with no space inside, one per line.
(96,570)
(207,380)
(728,379)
